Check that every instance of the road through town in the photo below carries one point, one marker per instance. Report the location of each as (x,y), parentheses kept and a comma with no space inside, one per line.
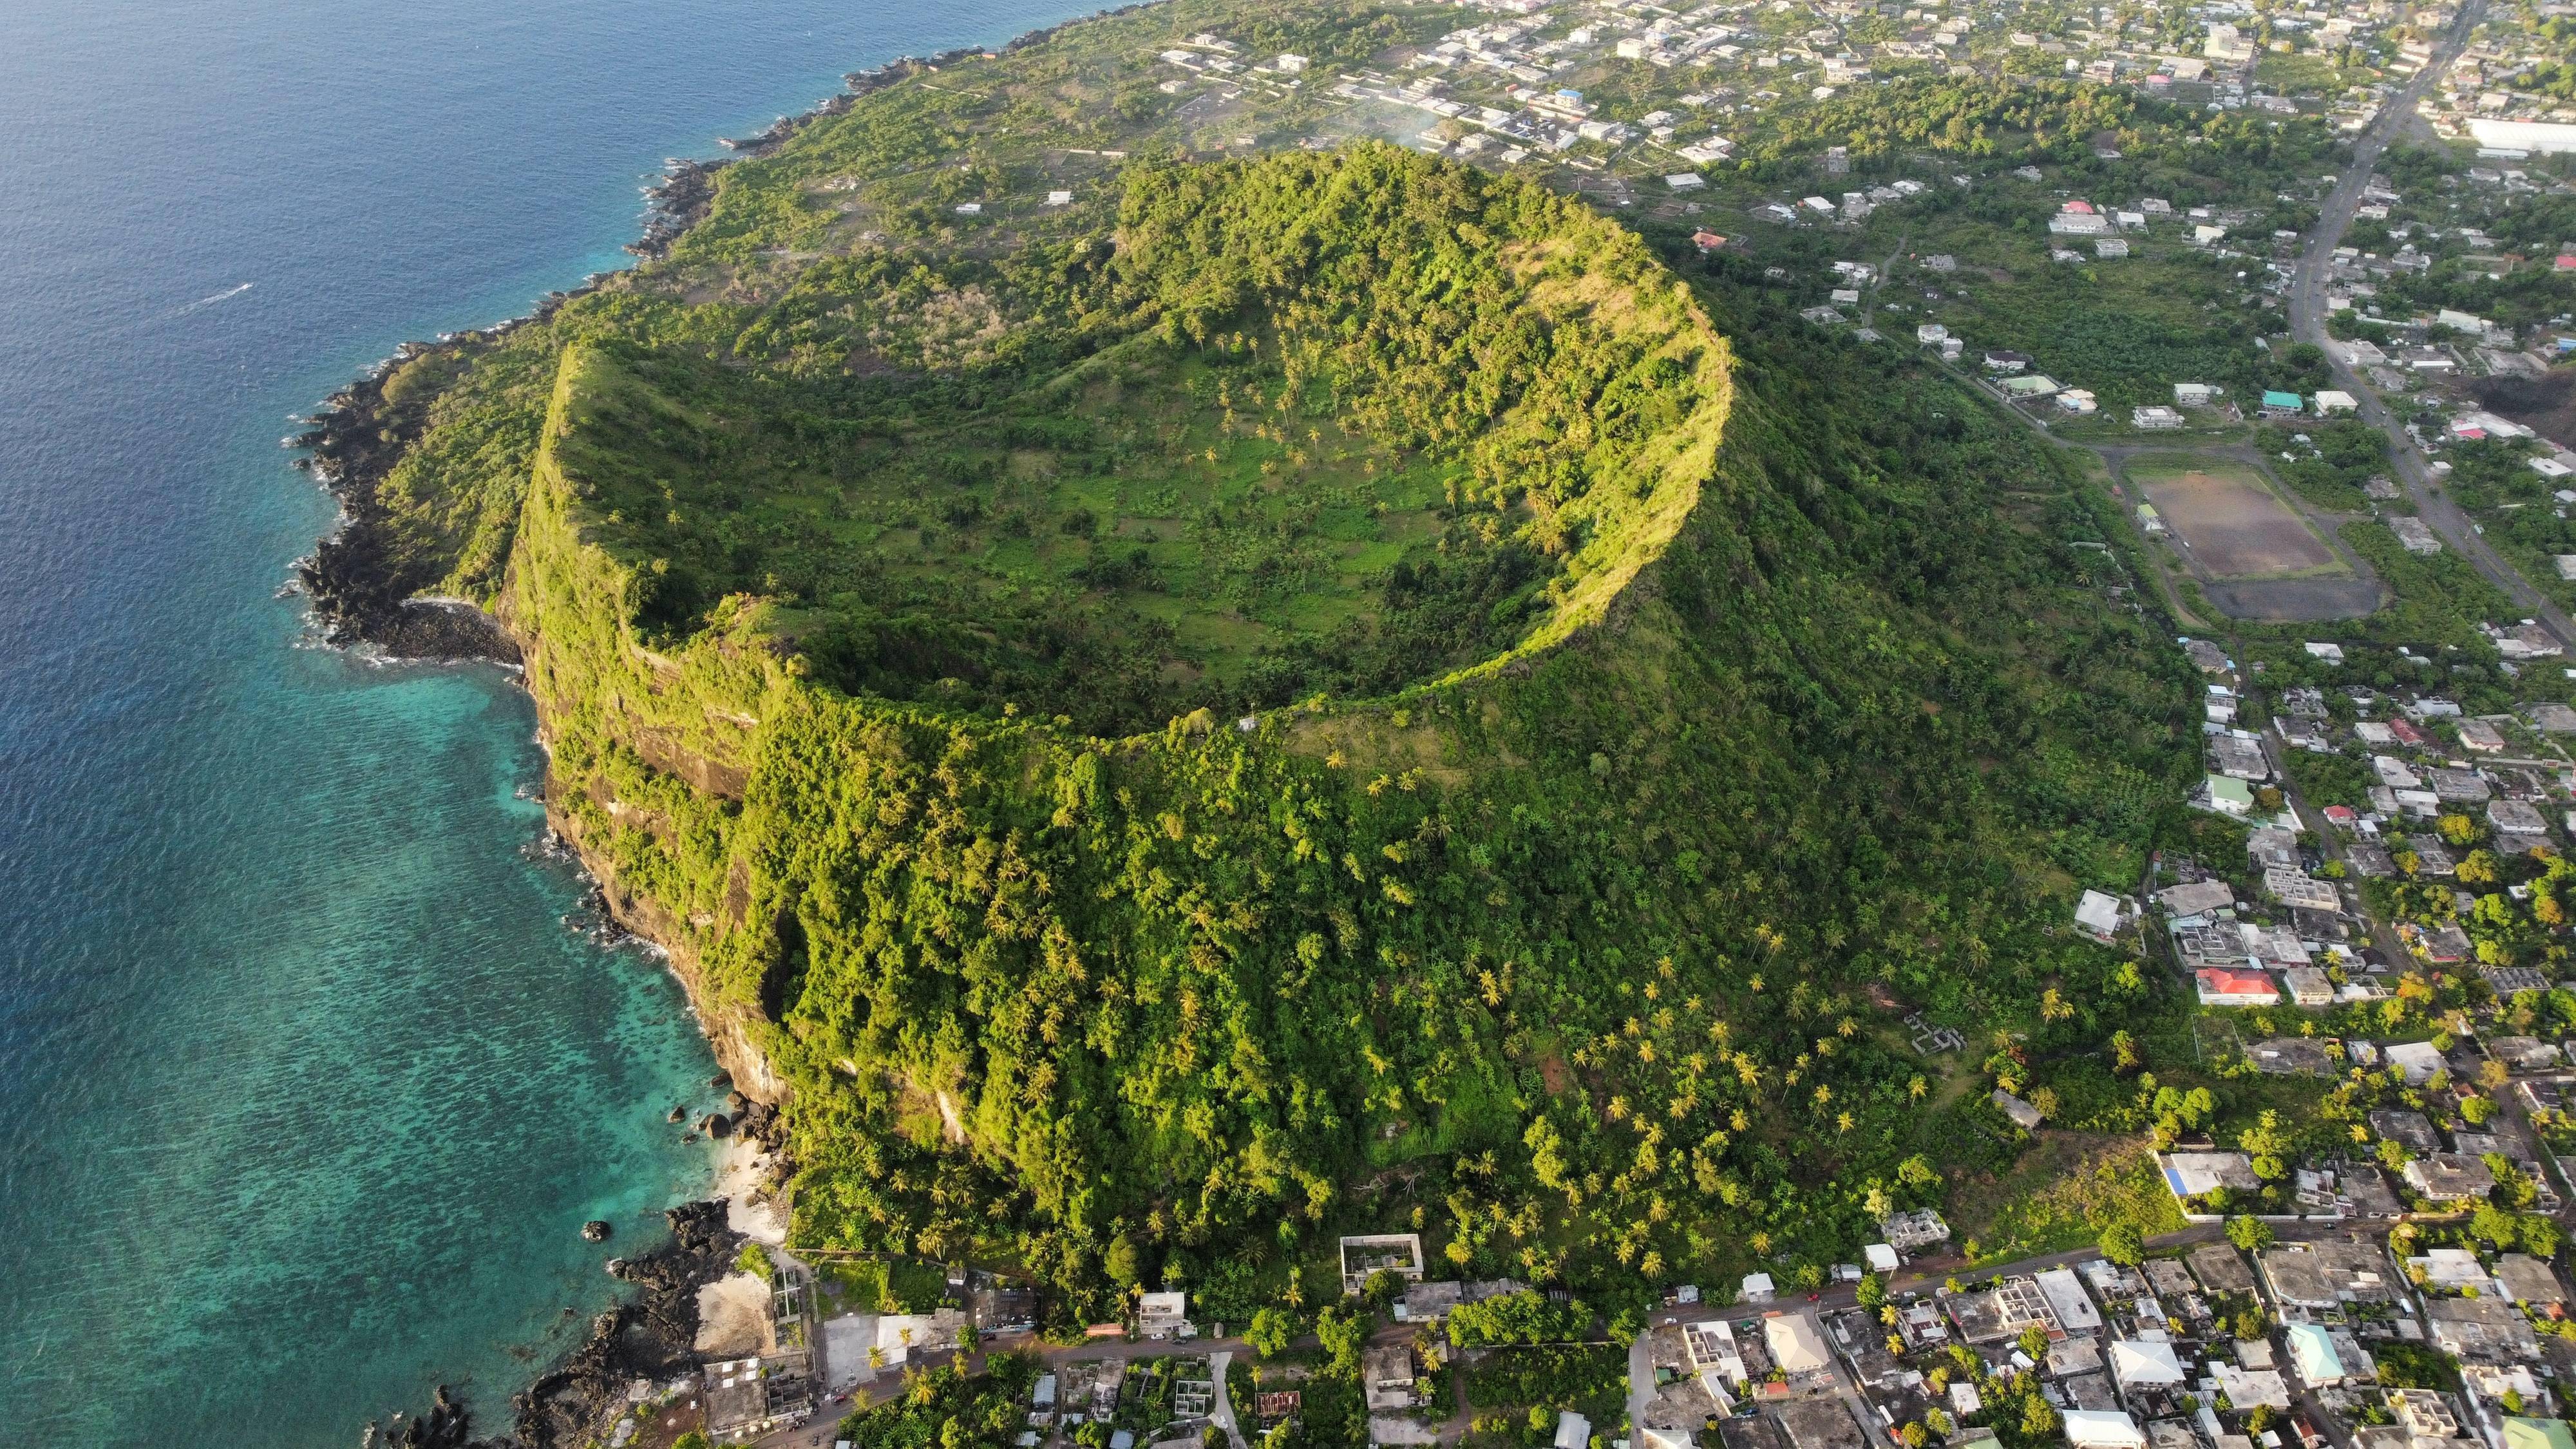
(1923,1275)
(2308,324)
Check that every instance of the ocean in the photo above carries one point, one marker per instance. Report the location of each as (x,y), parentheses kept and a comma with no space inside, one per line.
(306,1086)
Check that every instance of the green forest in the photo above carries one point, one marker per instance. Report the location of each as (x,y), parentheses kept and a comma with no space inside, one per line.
(1322,692)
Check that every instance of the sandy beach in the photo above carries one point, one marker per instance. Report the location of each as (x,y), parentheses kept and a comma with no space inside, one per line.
(744,1185)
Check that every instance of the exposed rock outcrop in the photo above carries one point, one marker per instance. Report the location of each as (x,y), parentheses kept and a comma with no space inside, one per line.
(648,1338)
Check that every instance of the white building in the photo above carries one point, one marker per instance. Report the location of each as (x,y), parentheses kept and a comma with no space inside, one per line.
(2138,1363)
(2103,1429)
(1163,1315)
(2099,916)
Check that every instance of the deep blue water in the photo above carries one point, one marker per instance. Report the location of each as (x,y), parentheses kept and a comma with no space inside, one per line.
(304,1088)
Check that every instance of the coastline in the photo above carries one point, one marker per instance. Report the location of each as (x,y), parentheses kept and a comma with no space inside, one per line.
(353,440)
(358,601)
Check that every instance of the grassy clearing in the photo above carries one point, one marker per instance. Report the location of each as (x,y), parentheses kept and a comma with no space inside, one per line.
(2062,1194)
(1246,448)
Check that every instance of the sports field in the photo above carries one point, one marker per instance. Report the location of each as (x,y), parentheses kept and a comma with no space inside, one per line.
(2232,522)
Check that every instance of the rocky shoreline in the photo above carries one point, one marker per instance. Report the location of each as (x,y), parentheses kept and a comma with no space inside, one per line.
(362,593)
(650,1337)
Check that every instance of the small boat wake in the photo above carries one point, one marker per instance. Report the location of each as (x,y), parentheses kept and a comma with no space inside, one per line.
(204,302)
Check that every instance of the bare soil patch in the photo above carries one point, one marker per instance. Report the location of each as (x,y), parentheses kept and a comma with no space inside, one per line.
(2546,405)
(2293,601)
(2235,526)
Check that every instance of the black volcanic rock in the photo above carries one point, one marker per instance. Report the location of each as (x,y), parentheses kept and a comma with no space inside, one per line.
(648,1338)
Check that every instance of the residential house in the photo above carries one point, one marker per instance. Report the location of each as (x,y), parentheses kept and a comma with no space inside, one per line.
(1752,1431)
(2521,824)
(2477,734)
(2221,986)
(2103,1429)
(2423,1413)
(1914,1231)
(2250,1388)
(2453,1270)
(2066,1296)
(2000,1313)
(2322,1276)
(1797,1349)
(2459,786)
(2197,1174)
(1821,1423)
(2196,897)
(1679,1412)
(2298,888)
(1386,1372)
(2449,1177)
(2138,1363)
(2443,943)
(1922,1326)
(2527,1279)
(2418,1060)
(2100,916)
(2486,1330)
(2526,1433)
(2314,1355)
(2430,856)
(2239,755)
(1163,1315)
(1709,1347)
(1366,1256)
(2219,1267)
(1429,1302)
(2523,1053)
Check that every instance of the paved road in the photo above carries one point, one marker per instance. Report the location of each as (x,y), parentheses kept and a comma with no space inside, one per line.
(1641,1382)
(1221,1413)
(2308,324)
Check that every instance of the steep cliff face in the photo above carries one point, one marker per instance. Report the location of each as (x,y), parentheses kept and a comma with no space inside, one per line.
(648,751)
(1791,692)
(663,742)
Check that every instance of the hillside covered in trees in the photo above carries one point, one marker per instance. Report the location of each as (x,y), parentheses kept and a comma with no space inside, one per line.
(1322,691)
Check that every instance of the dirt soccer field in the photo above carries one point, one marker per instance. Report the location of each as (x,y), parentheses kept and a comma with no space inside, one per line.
(2234,525)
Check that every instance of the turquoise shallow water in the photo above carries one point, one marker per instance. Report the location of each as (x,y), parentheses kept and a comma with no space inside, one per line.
(304,1088)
